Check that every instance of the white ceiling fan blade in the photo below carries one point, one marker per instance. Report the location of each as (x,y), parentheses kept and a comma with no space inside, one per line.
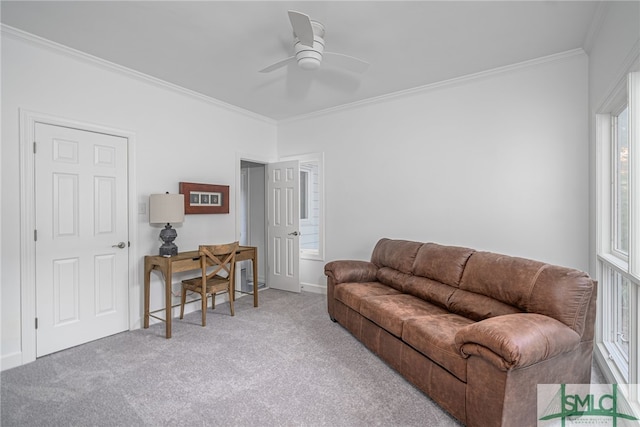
(278,64)
(345,61)
(302,28)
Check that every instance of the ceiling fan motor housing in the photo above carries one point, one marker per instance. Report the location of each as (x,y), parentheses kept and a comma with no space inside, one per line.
(309,48)
(309,57)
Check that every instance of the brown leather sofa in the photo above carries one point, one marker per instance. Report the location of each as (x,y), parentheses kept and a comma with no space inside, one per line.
(476,331)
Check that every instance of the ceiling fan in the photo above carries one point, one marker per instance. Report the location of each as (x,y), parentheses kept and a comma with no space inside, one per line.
(309,48)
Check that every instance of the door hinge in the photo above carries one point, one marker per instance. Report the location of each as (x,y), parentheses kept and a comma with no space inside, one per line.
(35,235)
(34,147)
(36,323)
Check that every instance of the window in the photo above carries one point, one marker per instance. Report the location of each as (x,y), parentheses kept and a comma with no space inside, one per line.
(616,325)
(309,208)
(304,194)
(618,215)
(620,290)
(620,139)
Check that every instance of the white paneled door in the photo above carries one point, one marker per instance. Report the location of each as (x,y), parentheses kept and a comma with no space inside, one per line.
(81,236)
(283,220)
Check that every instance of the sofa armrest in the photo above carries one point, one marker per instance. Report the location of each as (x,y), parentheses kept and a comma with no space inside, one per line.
(351,271)
(516,340)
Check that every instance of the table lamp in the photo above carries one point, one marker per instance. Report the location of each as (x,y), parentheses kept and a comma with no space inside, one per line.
(165,209)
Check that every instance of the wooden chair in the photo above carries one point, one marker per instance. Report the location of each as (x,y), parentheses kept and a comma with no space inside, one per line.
(223,260)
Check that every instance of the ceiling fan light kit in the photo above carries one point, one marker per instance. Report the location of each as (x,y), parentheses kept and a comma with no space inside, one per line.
(308,63)
(309,47)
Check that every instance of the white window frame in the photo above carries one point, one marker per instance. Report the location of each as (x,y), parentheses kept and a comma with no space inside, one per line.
(304,195)
(618,367)
(614,250)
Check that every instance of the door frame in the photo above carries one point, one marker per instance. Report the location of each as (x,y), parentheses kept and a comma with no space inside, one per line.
(28,120)
(240,157)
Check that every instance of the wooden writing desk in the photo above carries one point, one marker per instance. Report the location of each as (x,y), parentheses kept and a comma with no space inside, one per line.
(187,261)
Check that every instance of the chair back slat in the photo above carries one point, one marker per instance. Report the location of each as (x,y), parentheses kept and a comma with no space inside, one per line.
(221,257)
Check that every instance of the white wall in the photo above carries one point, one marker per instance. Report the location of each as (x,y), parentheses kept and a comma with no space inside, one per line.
(496,162)
(178,137)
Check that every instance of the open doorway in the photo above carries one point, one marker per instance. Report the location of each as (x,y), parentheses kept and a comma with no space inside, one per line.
(252,221)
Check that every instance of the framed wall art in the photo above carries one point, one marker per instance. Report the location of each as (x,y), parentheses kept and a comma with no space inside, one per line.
(205,198)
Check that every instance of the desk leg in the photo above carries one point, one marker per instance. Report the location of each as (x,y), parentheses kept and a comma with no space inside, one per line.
(168,300)
(232,294)
(232,285)
(147,291)
(255,277)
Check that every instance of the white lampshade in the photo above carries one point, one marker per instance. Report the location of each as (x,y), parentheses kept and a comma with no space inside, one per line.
(166,208)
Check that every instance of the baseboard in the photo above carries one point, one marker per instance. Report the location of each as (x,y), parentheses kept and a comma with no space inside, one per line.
(12,360)
(313,288)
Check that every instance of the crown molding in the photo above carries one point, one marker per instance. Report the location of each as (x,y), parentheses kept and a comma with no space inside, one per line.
(8,31)
(437,85)
(76,54)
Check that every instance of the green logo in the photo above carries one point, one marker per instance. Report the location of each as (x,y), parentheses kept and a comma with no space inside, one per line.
(588,404)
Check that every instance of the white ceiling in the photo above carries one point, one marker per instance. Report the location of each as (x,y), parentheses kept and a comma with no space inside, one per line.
(217,47)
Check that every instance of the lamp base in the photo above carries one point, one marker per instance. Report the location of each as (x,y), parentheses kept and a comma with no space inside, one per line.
(168,249)
(168,235)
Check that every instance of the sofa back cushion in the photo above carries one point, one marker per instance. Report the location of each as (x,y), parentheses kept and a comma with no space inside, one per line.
(396,254)
(444,264)
(392,277)
(530,286)
(428,290)
(477,307)
(394,259)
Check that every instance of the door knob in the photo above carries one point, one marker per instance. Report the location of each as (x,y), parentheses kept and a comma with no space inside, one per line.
(295,233)
(120,245)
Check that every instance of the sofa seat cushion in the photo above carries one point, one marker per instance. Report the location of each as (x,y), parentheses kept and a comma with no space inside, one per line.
(352,294)
(434,336)
(391,311)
